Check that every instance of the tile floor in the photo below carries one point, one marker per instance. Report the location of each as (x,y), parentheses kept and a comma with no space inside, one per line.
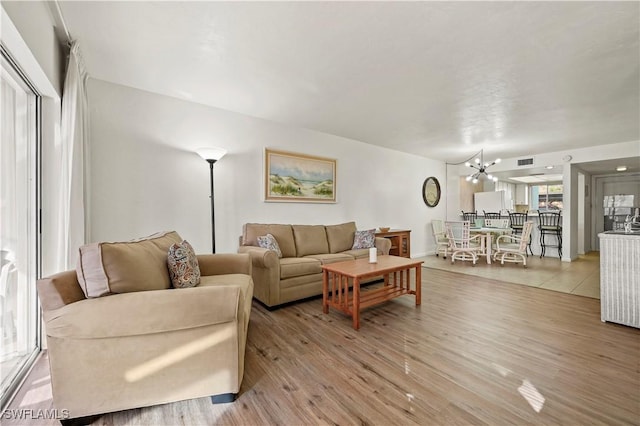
(580,277)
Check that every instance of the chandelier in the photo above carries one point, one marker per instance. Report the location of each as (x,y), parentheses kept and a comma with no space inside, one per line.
(481,168)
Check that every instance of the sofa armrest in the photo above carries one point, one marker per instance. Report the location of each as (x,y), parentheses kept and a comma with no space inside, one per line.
(144,312)
(265,271)
(260,257)
(224,263)
(383,244)
(59,290)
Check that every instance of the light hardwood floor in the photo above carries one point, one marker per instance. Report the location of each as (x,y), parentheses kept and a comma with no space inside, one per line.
(477,351)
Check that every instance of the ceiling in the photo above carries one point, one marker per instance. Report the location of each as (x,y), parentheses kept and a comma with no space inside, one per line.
(437,79)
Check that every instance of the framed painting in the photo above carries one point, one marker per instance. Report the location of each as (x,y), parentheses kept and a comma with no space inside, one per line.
(291,177)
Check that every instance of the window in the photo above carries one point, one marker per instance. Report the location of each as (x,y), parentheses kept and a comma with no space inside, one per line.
(19,260)
(546,197)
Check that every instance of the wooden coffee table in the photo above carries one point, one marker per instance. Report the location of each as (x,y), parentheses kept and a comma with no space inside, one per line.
(338,277)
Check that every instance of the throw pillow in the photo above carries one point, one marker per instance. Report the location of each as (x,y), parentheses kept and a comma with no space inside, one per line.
(269,242)
(364,239)
(183,265)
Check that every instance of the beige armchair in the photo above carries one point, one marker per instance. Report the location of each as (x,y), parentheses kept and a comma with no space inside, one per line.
(143,348)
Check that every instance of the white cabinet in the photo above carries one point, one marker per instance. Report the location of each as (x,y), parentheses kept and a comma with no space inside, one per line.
(522,194)
(620,278)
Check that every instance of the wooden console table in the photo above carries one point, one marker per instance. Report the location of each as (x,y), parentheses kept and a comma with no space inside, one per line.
(400,241)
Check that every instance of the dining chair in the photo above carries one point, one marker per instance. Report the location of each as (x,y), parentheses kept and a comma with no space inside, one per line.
(550,223)
(462,245)
(513,248)
(516,222)
(440,237)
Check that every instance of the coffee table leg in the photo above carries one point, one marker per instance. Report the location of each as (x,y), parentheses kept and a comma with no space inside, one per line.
(356,303)
(325,292)
(418,285)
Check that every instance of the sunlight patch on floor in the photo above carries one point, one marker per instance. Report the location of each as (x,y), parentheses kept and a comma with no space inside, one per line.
(531,395)
(38,394)
(502,370)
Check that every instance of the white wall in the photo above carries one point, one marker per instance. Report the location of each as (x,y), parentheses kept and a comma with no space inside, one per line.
(145,176)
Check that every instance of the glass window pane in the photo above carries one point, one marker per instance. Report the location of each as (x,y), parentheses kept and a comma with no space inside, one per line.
(18,206)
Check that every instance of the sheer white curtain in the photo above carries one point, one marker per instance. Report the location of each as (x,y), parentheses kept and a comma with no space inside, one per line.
(74,133)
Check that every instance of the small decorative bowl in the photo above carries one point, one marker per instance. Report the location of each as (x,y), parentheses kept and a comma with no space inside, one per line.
(384,229)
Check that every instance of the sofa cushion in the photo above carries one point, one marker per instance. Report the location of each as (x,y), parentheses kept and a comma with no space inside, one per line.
(310,239)
(327,258)
(360,253)
(122,267)
(364,239)
(270,243)
(298,266)
(183,265)
(340,237)
(282,233)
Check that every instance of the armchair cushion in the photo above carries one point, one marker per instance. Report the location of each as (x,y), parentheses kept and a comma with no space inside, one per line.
(144,313)
(183,265)
(138,265)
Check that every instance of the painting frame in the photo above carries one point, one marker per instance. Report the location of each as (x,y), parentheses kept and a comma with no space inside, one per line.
(298,178)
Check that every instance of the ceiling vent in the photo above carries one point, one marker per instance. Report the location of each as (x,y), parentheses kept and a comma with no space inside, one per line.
(525,162)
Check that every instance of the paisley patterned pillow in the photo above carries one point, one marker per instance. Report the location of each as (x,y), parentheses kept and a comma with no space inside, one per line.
(364,239)
(269,242)
(183,265)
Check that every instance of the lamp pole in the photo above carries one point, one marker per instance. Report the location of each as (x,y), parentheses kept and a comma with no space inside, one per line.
(211,155)
(213,208)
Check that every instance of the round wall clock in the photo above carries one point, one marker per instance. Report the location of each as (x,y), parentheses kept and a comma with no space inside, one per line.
(431,191)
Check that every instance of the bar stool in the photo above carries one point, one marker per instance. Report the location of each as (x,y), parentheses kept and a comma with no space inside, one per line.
(490,215)
(469,216)
(516,222)
(550,223)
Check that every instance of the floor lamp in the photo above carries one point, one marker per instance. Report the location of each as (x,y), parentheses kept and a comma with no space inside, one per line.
(211,155)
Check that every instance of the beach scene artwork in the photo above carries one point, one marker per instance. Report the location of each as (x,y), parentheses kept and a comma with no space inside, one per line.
(299,177)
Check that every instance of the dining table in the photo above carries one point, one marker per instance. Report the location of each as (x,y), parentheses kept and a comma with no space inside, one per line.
(487,238)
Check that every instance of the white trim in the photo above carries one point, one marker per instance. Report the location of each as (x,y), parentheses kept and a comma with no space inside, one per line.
(20,52)
(60,26)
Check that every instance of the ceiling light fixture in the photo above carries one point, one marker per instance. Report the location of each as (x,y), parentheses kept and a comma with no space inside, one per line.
(549,167)
(621,168)
(481,168)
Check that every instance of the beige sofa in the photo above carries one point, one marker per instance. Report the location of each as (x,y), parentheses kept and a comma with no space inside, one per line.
(305,248)
(140,348)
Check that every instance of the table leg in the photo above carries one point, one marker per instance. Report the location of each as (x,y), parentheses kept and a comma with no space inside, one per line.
(325,292)
(418,285)
(356,304)
(489,248)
